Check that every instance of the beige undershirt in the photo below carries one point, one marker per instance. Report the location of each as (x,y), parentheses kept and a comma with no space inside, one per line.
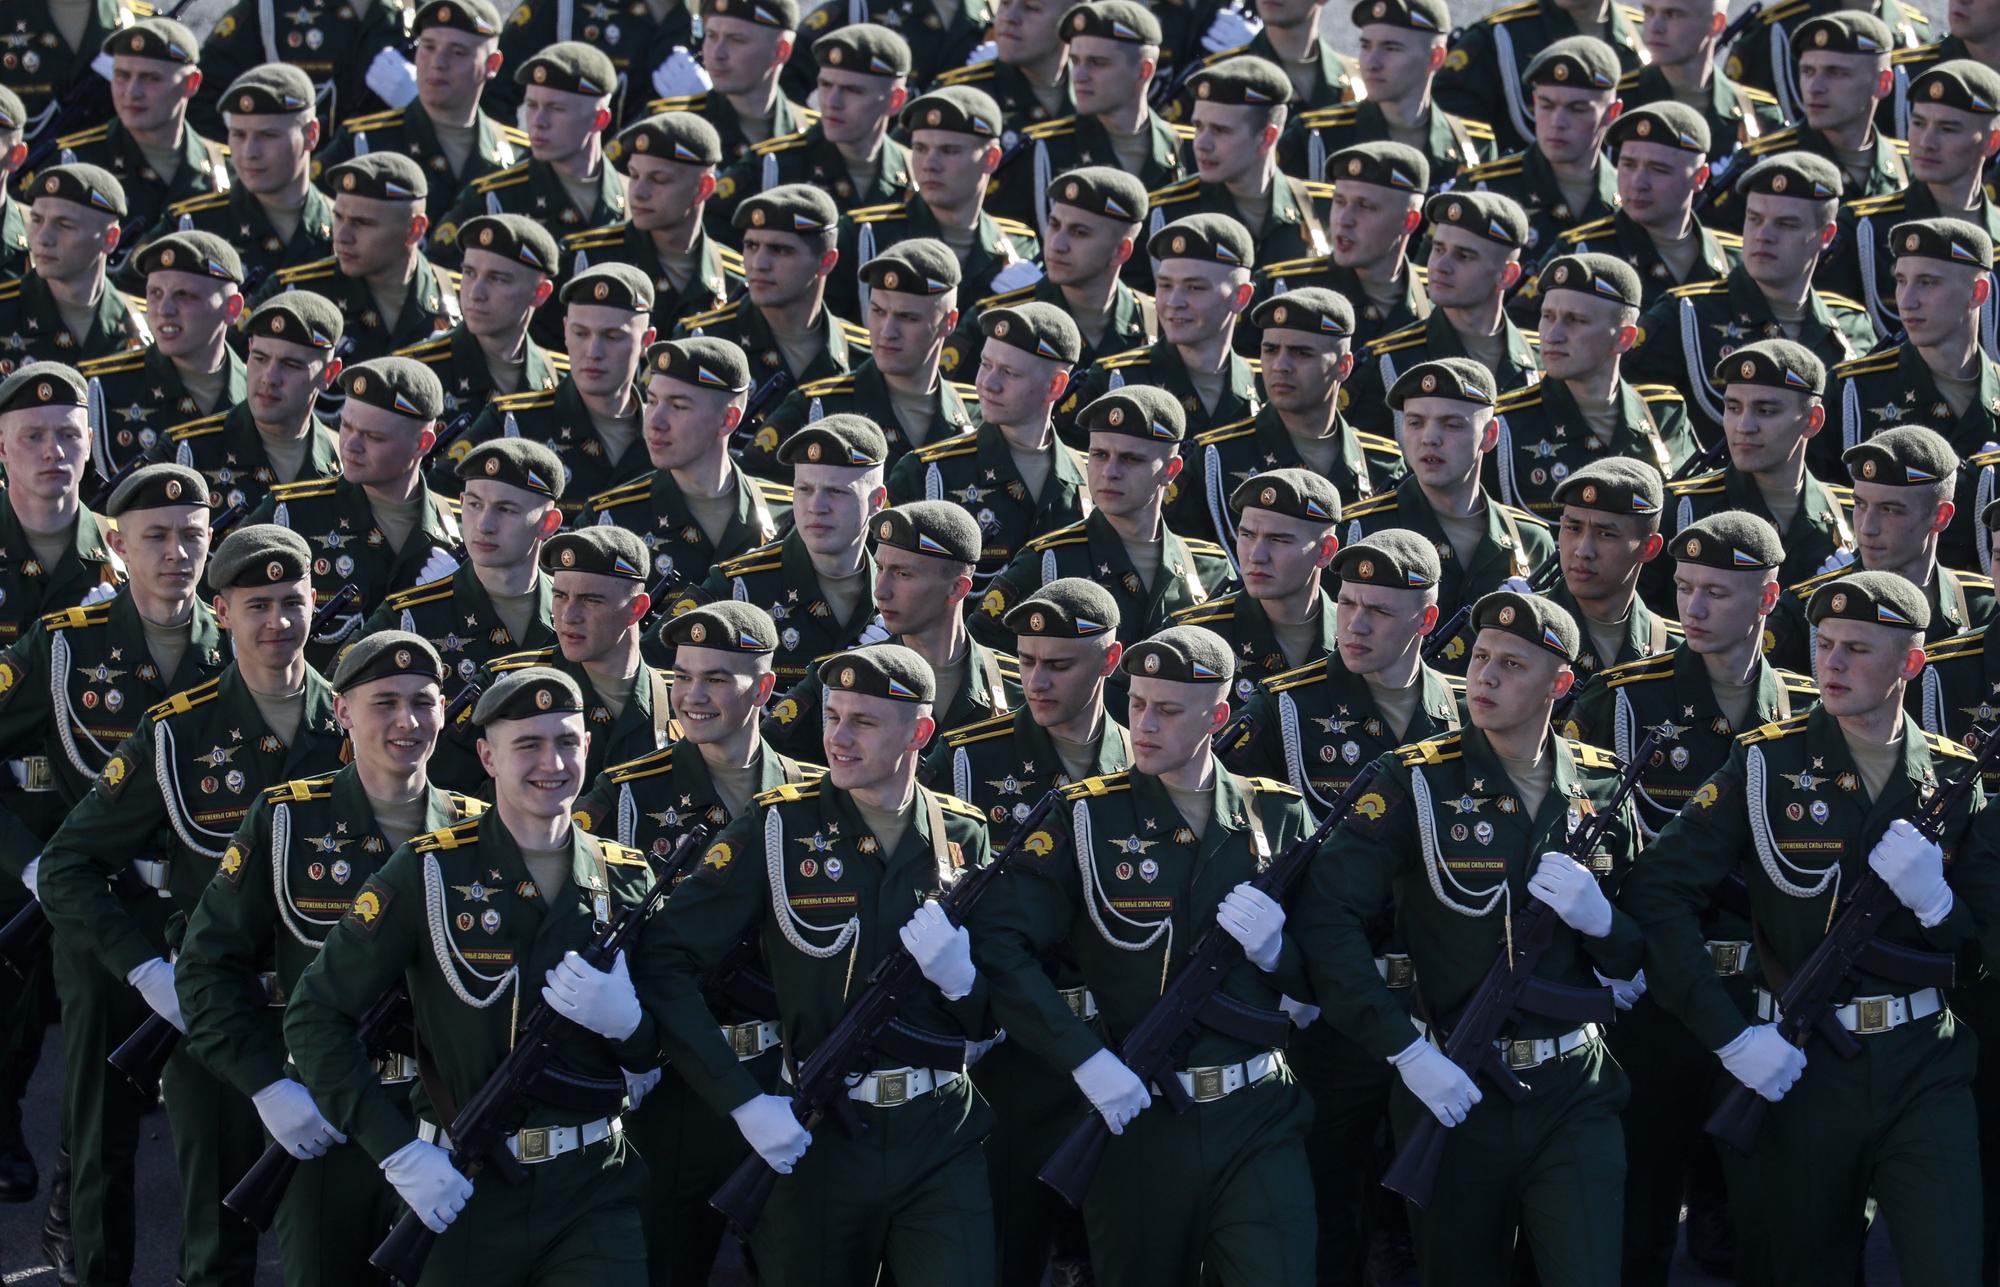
(281,712)
(1876,761)
(456,142)
(1054,98)
(914,412)
(618,433)
(1209,387)
(70,18)
(398,820)
(756,128)
(1464,534)
(1605,640)
(207,388)
(1385,295)
(1856,164)
(1254,211)
(78,320)
(506,376)
(398,519)
(1197,807)
(1681,253)
(49,547)
(713,514)
(961,240)
(887,827)
(1034,466)
(1531,780)
(1784,506)
(1398,705)
(166,161)
(284,220)
(1958,394)
(582,192)
(1078,758)
(288,455)
(1577,196)
(1145,557)
(950,678)
(680,267)
(734,786)
(1302,642)
(1092,322)
(517,611)
(844,594)
(390,306)
(615,691)
(549,869)
(1133,150)
(1733,700)
(864,173)
(1490,351)
(1790,320)
(800,348)
(1319,454)
(166,645)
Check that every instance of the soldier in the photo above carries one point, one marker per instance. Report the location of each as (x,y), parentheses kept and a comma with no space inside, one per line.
(13,151)
(1960,692)
(1680,37)
(1027,74)
(443,129)
(194,297)
(1377,207)
(1607,531)
(1476,240)
(1290,39)
(52,56)
(1789,202)
(126,858)
(1484,77)
(303,850)
(507,267)
(352,62)
(1972,35)
(697,507)
(1561,179)
(1123,544)
(648,45)
(272,213)
(1766,56)
(1583,408)
(557,888)
(745,45)
(947,37)
(1160,1206)
(64,307)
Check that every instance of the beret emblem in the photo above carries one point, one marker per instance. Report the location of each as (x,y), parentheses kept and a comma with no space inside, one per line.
(1507,615)
(275,570)
(697,632)
(173,489)
(1839,603)
(1152,662)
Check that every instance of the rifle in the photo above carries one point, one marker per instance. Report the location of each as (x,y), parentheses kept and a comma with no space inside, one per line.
(458,725)
(480,1132)
(125,471)
(764,395)
(820,1087)
(658,594)
(1540,581)
(1850,947)
(1194,998)
(446,436)
(1509,990)
(219,526)
(1709,457)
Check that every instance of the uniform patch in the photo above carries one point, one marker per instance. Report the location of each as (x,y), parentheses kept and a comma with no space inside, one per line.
(117,772)
(10,678)
(716,861)
(231,866)
(369,906)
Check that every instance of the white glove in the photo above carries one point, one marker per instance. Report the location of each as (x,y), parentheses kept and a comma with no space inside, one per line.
(943,950)
(1567,885)
(1835,561)
(1625,993)
(1913,867)
(1016,275)
(1113,1090)
(428,1183)
(1254,919)
(1518,584)
(102,65)
(98,594)
(155,981)
(438,566)
(393,78)
(984,53)
(1441,1084)
(680,76)
(600,1000)
(768,1123)
(638,1086)
(1303,1015)
(978,1050)
(294,1120)
(31,873)
(875,632)
(1231,29)
(1763,1060)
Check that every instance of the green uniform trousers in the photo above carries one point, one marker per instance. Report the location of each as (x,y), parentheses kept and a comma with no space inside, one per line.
(1350,1096)
(1223,1188)
(689,1150)
(1034,1106)
(1672,1080)
(217,1137)
(574,1222)
(1977,1008)
(101,1113)
(1552,1166)
(335,1211)
(26,1010)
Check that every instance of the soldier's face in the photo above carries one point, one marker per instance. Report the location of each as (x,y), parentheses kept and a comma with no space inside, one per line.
(1367,222)
(164,548)
(1017,388)
(1027,31)
(1721,608)
(1675,31)
(1938,302)
(1107,76)
(1570,123)
(1127,474)
(738,55)
(267,623)
(1782,237)
(593,614)
(452,67)
(1465,270)
(683,425)
(1839,90)
(1062,678)
(269,153)
(1767,428)
(1288,13)
(717,693)
(502,522)
(1197,300)
(536,763)
(1510,683)
(1303,370)
(780,268)
(1231,141)
(1396,62)
(1378,625)
(496,294)
(67,241)
(378,446)
(664,194)
(1893,525)
(189,311)
(1582,334)
(1601,553)
(558,123)
(1656,184)
(872,741)
(282,379)
(855,108)
(915,592)
(1083,247)
(605,345)
(1862,667)
(1442,440)
(1171,722)
(149,93)
(906,332)
(831,505)
(951,168)
(45,450)
(1973,19)
(1278,554)
(372,237)
(1947,144)
(392,722)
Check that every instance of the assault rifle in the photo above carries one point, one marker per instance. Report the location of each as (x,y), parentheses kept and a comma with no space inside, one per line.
(1540,581)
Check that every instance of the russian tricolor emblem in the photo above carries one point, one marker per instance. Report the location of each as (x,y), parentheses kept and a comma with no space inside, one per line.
(897,688)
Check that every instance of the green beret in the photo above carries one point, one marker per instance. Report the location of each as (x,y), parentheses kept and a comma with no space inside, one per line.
(864,47)
(1382,163)
(1843,31)
(1121,20)
(1953,240)
(781,15)
(1733,540)
(518,462)
(90,186)
(157,487)
(670,136)
(960,109)
(1776,364)
(43,384)
(789,207)
(473,17)
(399,384)
(940,529)
(259,554)
(1070,607)
(1035,328)
(573,67)
(524,694)
(380,176)
(1313,309)
(13,115)
(1432,17)
(701,360)
(161,39)
(1879,598)
(1103,191)
(880,670)
(1460,379)
(1603,276)
(1295,493)
(1804,175)
(269,89)
(1902,456)
(511,236)
(1395,558)
(844,439)
(1484,214)
(1989,518)
(1964,83)
(1183,654)
(1137,411)
(386,653)
(298,317)
(1574,62)
(1244,80)
(191,252)
(918,266)
(1212,238)
(1532,617)
(611,285)
(727,625)
(1668,123)
(599,548)
(1614,485)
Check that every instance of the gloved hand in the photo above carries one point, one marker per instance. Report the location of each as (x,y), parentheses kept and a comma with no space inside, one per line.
(289,1113)
(437,567)
(1016,275)
(875,632)
(1913,867)
(155,981)
(1114,1090)
(98,594)
(680,76)
(31,875)
(943,951)
(1625,993)
(428,1183)
(1255,920)
(1441,1084)
(1231,29)
(393,78)
(600,1000)
(1303,1015)
(102,65)
(1518,584)
(638,1086)
(1763,1060)
(978,1050)
(1834,562)
(1567,885)
(984,53)
(769,1125)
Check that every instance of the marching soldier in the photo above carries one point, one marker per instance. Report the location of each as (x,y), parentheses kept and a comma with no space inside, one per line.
(351,58)
(1377,207)
(1766,56)
(52,55)
(507,267)
(151,834)
(1028,73)
(1971,36)
(64,307)
(1680,40)
(1607,531)
(1484,77)
(648,44)
(1291,40)
(949,35)
(745,45)
(303,851)
(13,151)
(1562,178)
(1955,697)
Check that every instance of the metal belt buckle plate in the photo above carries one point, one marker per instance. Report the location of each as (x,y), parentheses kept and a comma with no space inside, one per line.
(892,1088)
(532,1145)
(274,991)
(1728,957)
(1871,1014)
(1073,998)
(1400,971)
(743,1040)
(1521,1054)
(40,774)
(1207,1084)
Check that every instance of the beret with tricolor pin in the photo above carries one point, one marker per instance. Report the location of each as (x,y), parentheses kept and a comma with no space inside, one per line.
(160,39)
(790,207)
(957,109)
(1878,598)
(512,237)
(1245,80)
(572,67)
(1211,238)
(623,286)
(1183,654)
(1599,276)
(300,317)
(1574,62)
(1490,215)
(1964,83)
(705,361)
(1614,485)
(1843,31)
(379,176)
(727,625)
(1732,541)
(1432,17)
(916,266)
(13,115)
(269,89)
(1103,191)
(1036,328)
(1137,411)
(91,186)
(473,17)
(1954,241)
(1295,493)
(517,462)
(43,384)
(779,15)
(1070,607)
(1394,558)
(868,48)
(601,549)
(201,253)
(1668,123)
(844,439)
(1314,310)
(259,554)
(1901,456)
(668,136)
(526,693)
(939,529)
(1776,364)
(880,670)
(1459,379)
(157,487)
(1803,176)
(1120,20)
(1384,163)
(399,384)
(1539,620)
(384,655)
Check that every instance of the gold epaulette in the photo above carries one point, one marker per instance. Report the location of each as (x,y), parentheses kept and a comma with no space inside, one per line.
(731,260)
(964,390)
(1947,747)
(513,134)
(1715,286)
(1381,502)
(1778,13)
(1314,188)
(1105,785)
(183,702)
(506,178)
(436,345)
(646,766)
(597,238)
(727,313)
(1761,97)
(1271,786)
(1223,433)
(1313,672)
(1633,14)
(1051,129)
(95,134)
(1500,168)
(1201,614)
(1396,341)
(1592,757)
(206,201)
(1018,295)
(313,271)
(1208,549)
(1727,240)
(1804,589)
(853,333)
(1071,535)
(112,364)
(1899,147)
(952,804)
(761,559)
(200,428)
(830,384)
(304,488)
(1707,484)
(1969,644)
(1794,682)
(417,595)
(678,103)
(1921,53)
(967,74)
(1630,80)
(1129,357)
(1320,117)
(1973,580)
(1884,204)
(1310,264)
(618,855)
(771,491)
(76,618)
(522,660)
(876,214)
(1434,750)
(1584,231)
(1529,395)
(1845,303)
(532,400)
(468,806)
(1184,132)
(788,793)
(1508,13)
(300,789)
(1778,141)
(1658,393)
(1523,516)
(981,730)
(1477,130)
(1774,731)
(1869,363)
(456,836)
(357,124)
(964,444)
(1181,191)
(782,143)
(1376,443)
(10,290)
(1013,227)
(1631,672)
(635,490)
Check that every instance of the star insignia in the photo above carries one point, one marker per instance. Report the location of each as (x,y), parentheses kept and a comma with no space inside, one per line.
(477,892)
(971,494)
(1132,844)
(1467,803)
(1331,725)
(1804,781)
(817,842)
(328,844)
(100,674)
(1009,785)
(131,414)
(216,757)
(1888,412)
(1670,732)
(669,818)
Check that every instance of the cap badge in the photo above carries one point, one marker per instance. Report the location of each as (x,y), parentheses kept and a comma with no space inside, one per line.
(847,677)
(543,697)
(1430,383)
(1839,603)
(402,656)
(568,558)
(890,279)
(1748,369)
(1116,417)
(1590,494)
(1152,663)
(1365,569)
(173,489)
(275,570)
(1278,315)
(697,632)
(1037,621)
(1779,182)
(1643,129)
(1267,496)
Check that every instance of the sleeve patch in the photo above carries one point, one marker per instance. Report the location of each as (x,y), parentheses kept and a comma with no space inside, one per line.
(117,772)
(230,868)
(369,906)
(716,861)
(10,679)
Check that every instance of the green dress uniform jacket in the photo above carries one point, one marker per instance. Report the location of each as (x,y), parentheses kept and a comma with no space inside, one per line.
(430,305)
(32,329)
(742,323)
(439,610)
(936,46)
(992,687)
(1160,364)
(1763,57)
(780,578)
(654,507)
(1529,179)
(13,239)
(1482,76)
(455,357)
(862,391)
(226,449)
(1371,320)
(411,132)
(1131,323)
(1819,529)
(717,280)
(203,168)
(1377,365)
(1228,454)
(977,760)
(1736,114)
(866,232)
(1241,620)
(1544,438)
(1294,224)
(529,188)
(1189,570)
(1860,262)
(787,117)
(977,472)
(1887,173)
(558,419)
(1958,694)
(1019,187)
(1516,543)
(239,218)
(333,44)
(43,64)
(1451,143)
(805,157)
(1617,235)
(644,726)
(338,521)
(631,34)
(618,805)
(1020,106)
(144,396)
(1647,634)
(1960,601)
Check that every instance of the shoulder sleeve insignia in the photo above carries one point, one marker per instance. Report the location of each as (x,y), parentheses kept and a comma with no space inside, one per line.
(369,905)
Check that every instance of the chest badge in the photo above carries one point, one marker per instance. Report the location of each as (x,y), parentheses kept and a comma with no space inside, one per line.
(1132,844)
(216,757)
(329,843)
(477,893)
(1805,781)
(818,842)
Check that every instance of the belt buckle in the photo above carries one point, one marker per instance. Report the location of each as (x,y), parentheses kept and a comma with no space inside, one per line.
(743,1040)
(1871,1014)
(1728,957)
(1400,971)
(41,774)
(1207,1084)
(532,1145)
(892,1088)
(1073,998)
(1521,1054)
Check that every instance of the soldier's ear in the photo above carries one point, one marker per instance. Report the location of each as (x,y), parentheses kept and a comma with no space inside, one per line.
(311,133)
(760,692)
(1770,599)
(1510,276)
(1565,680)
(1942,518)
(1118,257)
(1428,622)
(544,291)
(16,156)
(232,307)
(1815,419)
(1440,51)
(1913,663)
(1617,106)
(419,225)
(652,333)
(705,188)
(332,373)
(493,61)
(1885,83)
(1413,219)
(897,97)
(1981,289)
(1112,656)
(603,119)
(1652,547)
(192,83)
(1345,367)
(1701,174)
(552,521)
(1058,385)
(1329,545)
(637,609)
